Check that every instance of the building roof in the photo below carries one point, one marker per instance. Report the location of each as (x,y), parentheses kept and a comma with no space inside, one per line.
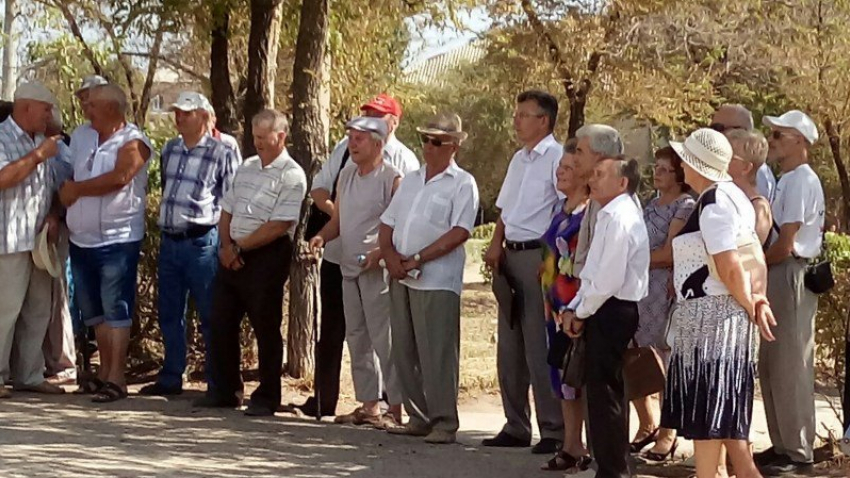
(431,71)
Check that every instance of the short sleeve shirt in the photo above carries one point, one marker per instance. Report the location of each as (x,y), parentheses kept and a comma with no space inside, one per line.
(799,199)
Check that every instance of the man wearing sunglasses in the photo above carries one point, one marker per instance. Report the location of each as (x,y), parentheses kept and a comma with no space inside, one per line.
(424,228)
(526,200)
(729,117)
(332,334)
(786,367)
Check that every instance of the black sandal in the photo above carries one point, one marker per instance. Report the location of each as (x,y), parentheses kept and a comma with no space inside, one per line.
(89,386)
(562,461)
(661,458)
(110,392)
(638,446)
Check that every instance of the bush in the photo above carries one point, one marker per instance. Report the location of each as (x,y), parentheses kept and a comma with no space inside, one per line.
(484,233)
(832,318)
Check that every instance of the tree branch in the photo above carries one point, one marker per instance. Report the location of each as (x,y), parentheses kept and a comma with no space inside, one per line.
(141,112)
(170,62)
(75,31)
(554,49)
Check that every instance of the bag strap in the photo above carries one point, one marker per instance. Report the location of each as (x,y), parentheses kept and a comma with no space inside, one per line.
(345,157)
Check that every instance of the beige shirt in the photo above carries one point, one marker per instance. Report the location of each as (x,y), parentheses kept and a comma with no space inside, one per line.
(262,194)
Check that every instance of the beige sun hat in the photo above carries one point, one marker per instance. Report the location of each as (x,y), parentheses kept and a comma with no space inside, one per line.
(707,152)
(45,256)
(447,124)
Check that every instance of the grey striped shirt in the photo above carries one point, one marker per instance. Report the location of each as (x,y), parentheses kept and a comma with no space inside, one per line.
(24,206)
(262,194)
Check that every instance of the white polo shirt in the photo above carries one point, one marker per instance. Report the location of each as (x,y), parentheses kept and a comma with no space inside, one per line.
(799,198)
(420,213)
(529,193)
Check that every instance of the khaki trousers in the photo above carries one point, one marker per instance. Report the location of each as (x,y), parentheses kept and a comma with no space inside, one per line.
(25,298)
(786,366)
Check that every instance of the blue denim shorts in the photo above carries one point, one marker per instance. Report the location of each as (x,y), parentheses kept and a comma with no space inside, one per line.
(105,283)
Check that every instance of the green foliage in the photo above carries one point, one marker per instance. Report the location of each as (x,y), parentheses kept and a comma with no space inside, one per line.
(831,325)
(484,232)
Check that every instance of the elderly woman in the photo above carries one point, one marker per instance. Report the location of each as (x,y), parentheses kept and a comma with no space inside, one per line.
(711,377)
(749,153)
(664,215)
(560,284)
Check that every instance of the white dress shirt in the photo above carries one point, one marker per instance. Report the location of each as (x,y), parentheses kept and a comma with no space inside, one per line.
(528,195)
(420,213)
(618,259)
(766,182)
(395,153)
(799,198)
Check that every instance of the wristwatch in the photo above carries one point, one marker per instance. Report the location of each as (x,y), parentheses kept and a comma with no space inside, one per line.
(418,258)
(236,249)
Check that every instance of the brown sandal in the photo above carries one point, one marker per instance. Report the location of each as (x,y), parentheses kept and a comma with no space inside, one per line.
(110,392)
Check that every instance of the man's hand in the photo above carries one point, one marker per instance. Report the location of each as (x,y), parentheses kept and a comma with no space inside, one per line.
(394,266)
(51,222)
(373,259)
(410,263)
(229,258)
(572,325)
(317,243)
(493,257)
(68,194)
(48,148)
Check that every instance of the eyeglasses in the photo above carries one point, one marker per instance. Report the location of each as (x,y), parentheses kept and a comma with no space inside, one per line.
(719,127)
(434,141)
(663,170)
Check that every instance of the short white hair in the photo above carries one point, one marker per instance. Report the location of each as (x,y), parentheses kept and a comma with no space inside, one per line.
(112,93)
(604,139)
(743,114)
(273,119)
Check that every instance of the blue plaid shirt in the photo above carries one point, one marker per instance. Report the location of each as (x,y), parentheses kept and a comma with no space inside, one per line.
(193,182)
(23,206)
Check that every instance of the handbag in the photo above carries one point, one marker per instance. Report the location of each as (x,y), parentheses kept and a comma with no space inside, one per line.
(643,372)
(818,277)
(750,253)
(573,373)
(318,218)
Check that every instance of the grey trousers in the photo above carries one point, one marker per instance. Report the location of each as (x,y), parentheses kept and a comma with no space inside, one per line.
(59,348)
(786,366)
(426,350)
(522,348)
(366,301)
(24,316)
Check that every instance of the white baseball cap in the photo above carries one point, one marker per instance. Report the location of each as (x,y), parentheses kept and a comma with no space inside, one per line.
(191,101)
(795,119)
(90,82)
(707,152)
(35,91)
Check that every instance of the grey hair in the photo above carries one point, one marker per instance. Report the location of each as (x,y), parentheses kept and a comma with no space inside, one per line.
(744,114)
(112,93)
(752,146)
(377,137)
(272,118)
(604,139)
(630,169)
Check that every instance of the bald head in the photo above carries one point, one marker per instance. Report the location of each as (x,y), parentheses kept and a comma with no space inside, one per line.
(731,116)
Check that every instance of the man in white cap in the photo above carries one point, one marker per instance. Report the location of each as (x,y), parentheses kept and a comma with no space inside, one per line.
(365,191)
(729,116)
(425,227)
(323,193)
(786,367)
(197,170)
(26,192)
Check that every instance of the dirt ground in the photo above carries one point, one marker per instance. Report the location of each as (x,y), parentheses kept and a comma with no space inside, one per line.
(67,436)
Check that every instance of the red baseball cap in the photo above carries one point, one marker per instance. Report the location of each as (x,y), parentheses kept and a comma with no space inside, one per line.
(383,103)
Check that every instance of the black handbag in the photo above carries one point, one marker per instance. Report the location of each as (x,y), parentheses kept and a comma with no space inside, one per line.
(558,348)
(318,218)
(818,277)
(574,363)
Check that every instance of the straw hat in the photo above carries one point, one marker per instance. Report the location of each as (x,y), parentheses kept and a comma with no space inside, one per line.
(707,152)
(44,255)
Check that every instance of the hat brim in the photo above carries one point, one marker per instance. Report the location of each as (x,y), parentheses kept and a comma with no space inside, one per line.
(701,167)
(44,255)
(187,109)
(776,122)
(458,135)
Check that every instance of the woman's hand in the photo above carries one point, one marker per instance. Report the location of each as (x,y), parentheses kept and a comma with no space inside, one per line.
(763,317)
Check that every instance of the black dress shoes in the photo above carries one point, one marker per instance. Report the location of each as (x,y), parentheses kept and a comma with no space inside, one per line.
(504,440)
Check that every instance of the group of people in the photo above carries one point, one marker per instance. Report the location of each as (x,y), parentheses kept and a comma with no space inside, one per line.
(714,260)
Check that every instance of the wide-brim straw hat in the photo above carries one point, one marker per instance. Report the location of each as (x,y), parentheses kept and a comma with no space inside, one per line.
(45,256)
(707,152)
(445,125)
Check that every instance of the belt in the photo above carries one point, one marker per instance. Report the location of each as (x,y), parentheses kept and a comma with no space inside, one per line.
(523,246)
(193,232)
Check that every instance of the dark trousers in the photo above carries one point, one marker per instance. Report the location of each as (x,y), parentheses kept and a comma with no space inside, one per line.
(847,384)
(257,290)
(331,339)
(608,333)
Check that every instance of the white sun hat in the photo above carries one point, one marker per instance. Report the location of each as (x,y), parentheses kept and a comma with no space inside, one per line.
(795,119)
(707,152)
(44,254)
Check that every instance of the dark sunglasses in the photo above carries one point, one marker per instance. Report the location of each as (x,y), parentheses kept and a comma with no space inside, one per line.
(718,127)
(433,141)
(776,134)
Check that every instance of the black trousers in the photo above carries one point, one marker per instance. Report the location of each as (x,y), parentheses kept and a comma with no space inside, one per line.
(331,339)
(608,333)
(256,290)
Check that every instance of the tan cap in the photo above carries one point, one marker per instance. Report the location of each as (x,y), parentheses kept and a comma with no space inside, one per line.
(35,91)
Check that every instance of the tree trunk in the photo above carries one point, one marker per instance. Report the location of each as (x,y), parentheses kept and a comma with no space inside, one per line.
(834,135)
(223,99)
(309,144)
(142,111)
(10,49)
(274,47)
(256,96)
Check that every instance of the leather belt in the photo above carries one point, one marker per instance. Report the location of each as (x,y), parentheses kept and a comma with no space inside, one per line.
(523,246)
(193,232)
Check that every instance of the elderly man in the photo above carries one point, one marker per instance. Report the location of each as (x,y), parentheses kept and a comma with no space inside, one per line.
(364,193)
(106,218)
(786,367)
(197,171)
(26,192)
(258,219)
(332,333)
(613,280)
(526,200)
(729,117)
(424,228)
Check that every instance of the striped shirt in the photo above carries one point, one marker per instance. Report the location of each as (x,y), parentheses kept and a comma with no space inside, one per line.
(23,206)
(194,181)
(262,194)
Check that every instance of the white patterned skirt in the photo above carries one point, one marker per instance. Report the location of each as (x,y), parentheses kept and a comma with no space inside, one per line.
(711,378)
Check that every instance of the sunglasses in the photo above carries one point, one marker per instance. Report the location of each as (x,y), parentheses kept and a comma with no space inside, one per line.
(434,141)
(776,134)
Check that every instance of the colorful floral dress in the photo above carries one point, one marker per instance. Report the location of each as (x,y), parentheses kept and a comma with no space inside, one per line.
(559,284)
